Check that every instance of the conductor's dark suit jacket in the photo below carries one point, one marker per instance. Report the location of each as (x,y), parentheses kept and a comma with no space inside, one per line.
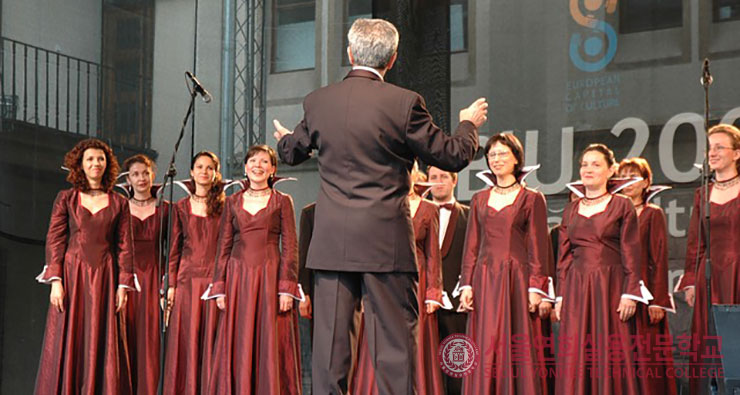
(368,133)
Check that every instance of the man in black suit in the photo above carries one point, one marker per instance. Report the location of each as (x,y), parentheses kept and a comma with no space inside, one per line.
(453,222)
(368,133)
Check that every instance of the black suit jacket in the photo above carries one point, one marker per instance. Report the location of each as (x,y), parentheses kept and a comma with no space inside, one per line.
(368,133)
(305,275)
(452,249)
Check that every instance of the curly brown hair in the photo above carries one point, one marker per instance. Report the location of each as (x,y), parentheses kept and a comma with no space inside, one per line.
(216,195)
(77,177)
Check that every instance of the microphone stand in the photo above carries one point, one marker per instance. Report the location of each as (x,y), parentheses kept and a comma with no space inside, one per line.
(706,81)
(164,257)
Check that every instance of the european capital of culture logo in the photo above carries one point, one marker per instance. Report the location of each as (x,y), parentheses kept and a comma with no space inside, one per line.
(600,45)
(458,355)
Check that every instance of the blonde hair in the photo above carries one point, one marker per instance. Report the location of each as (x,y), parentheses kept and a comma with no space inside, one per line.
(731,131)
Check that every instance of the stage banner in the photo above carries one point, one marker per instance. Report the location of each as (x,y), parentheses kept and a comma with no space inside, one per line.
(423,63)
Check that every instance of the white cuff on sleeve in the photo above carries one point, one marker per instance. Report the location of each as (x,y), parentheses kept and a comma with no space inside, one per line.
(207,295)
(645,295)
(550,295)
(300,298)
(446,302)
(456,291)
(40,278)
(671,309)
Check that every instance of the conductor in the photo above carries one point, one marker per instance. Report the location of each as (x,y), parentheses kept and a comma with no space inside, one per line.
(367,133)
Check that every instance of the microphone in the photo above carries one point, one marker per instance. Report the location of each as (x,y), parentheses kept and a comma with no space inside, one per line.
(198,87)
(706,76)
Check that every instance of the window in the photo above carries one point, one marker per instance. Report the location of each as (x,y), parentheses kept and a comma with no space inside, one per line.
(646,15)
(354,10)
(726,10)
(294,35)
(128,48)
(458,26)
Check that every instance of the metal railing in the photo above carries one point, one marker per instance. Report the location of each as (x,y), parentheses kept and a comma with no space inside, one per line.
(66,93)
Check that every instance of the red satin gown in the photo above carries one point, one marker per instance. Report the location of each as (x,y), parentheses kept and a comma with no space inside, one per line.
(725,243)
(599,261)
(257,348)
(429,264)
(506,256)
(143,310)
(192,325)
(91,253)
(654,348)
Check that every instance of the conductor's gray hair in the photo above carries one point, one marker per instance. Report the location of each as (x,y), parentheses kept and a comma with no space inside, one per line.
(372,42)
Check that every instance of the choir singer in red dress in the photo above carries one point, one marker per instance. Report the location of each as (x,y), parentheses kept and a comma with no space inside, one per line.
(255,285)
(724,220)
(505,281)
(654,342)
(192,321)
(598,283)
(89,264)
(143,310)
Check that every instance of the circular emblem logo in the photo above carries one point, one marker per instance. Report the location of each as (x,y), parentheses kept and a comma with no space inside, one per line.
(458,355)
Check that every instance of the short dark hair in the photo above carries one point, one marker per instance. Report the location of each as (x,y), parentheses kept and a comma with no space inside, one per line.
(451,173)
(509,140)
(642,167)
(255,149)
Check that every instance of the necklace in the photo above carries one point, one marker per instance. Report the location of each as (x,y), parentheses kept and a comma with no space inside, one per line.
(587,201)
(727,184)
(514,186)
(259,192)
(141,202)
(199,199)
(94,192)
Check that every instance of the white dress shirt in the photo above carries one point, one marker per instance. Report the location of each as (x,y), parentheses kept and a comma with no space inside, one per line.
(370,69)
(444,220)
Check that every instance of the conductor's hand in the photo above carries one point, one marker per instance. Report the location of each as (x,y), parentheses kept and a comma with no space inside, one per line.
(280,130)
(477,113)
